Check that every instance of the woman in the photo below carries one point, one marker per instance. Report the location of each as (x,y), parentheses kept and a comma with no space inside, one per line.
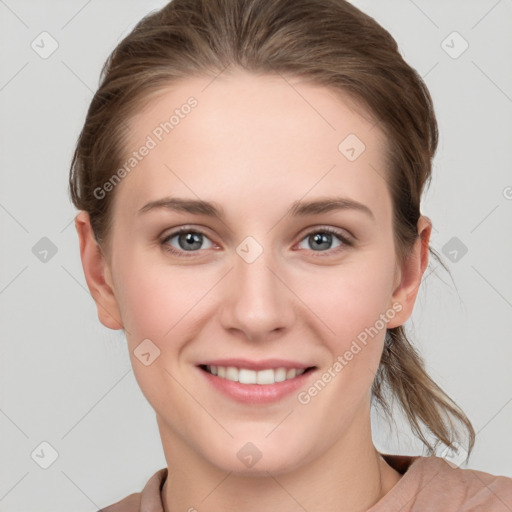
(249,178)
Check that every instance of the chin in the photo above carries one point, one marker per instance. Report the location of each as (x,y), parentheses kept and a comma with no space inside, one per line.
(258,459)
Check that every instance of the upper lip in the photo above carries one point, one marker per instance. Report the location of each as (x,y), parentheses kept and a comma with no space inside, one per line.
(256,365)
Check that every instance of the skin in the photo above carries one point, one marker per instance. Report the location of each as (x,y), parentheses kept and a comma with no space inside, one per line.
(254,145)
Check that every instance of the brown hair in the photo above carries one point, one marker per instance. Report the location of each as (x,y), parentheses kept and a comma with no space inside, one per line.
(331,43)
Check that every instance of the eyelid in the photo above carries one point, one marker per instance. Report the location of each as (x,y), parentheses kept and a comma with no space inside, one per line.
(184,229)
(343,234)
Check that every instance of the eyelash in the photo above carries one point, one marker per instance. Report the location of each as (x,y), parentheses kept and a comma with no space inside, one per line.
(346,242)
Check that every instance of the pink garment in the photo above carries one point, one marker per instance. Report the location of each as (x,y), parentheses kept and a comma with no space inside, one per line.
(428,484)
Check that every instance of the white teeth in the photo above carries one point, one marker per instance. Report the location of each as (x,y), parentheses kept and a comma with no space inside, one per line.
(291,373)
(232,373)
(265,377)
(246,376)
(280,374)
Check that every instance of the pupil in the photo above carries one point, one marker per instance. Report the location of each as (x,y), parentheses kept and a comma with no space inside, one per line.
(322,238)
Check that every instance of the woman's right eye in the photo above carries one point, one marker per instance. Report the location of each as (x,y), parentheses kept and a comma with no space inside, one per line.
(187,240)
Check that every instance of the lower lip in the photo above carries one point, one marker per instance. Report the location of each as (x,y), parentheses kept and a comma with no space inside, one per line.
(256,393)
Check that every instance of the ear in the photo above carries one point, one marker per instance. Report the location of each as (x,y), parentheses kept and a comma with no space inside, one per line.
(410,273)
(97,274)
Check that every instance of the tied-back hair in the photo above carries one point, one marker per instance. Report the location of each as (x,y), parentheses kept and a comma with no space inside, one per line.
(327,42)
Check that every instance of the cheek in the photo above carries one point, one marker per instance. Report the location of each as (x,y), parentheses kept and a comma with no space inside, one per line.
(154,297)
(156,304)
(354,304)
(351,298)
(146,312)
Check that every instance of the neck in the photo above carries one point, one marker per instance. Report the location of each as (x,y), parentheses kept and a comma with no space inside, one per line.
(349,476)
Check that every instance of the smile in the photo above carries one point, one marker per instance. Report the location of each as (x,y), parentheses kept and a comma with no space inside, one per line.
(247,376)
(256,382)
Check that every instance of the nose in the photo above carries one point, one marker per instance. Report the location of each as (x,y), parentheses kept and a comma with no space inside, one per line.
(258,304)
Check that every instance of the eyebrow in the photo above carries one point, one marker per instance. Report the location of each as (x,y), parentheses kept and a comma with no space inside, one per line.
(298,208)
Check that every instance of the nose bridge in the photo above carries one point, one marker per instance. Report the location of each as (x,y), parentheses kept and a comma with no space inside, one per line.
(259,302)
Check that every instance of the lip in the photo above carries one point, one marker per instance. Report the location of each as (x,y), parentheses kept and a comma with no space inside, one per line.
(257,365)
(257,393)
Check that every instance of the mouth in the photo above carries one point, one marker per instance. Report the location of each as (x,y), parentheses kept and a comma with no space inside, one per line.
(251,382)
(263,377)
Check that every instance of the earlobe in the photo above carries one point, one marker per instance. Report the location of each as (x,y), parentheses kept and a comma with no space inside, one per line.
(411,272)
(95,269)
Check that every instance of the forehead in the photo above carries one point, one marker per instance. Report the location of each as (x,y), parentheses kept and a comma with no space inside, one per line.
(268,136)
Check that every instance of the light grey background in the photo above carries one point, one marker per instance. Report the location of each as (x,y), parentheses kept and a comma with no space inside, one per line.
(67,380)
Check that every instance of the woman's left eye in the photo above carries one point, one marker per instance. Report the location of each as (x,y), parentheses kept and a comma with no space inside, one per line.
(322,238)
(191,241)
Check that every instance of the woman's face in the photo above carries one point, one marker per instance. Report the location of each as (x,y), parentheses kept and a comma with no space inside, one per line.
(261,285)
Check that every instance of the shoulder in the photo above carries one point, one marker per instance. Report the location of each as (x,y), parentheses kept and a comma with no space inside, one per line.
(432,483)
(149,499)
